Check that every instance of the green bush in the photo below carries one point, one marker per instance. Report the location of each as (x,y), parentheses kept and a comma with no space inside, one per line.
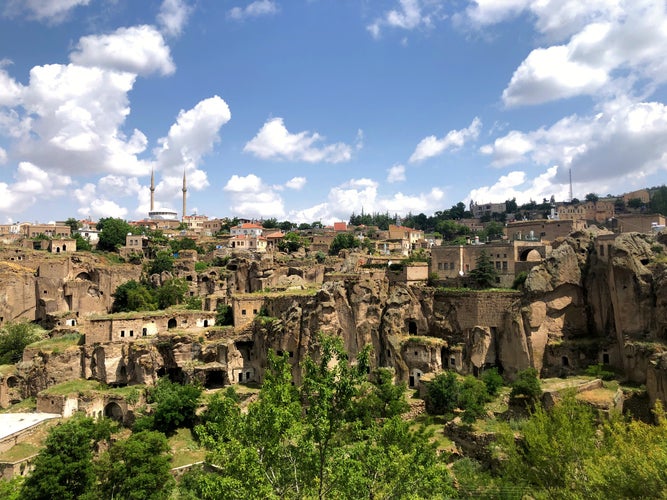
(492,380)
(527,385)
(599,371)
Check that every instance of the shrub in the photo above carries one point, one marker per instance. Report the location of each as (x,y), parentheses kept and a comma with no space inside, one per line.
(492,380)
(527,385)
(519,280)
(599,371)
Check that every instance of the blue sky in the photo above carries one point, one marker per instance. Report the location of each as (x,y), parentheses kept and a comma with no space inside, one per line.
(311,109)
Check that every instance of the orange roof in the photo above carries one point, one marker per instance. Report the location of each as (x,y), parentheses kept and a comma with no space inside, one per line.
(276,234)
(340,226)
(248,225)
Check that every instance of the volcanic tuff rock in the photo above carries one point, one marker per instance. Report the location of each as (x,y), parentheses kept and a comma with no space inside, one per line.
(595,298)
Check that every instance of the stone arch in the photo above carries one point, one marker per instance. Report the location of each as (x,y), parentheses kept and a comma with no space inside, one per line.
(83,275)
(205,323)
(113,411)
(530,255)
(172,323)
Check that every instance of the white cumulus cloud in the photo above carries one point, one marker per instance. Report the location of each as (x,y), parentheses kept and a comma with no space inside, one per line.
(296,183)
(275,142)
(254,9)
(48,11)
(408,15)
(172,16)
(140,50)
(250,197)
(396,173)
(454,139)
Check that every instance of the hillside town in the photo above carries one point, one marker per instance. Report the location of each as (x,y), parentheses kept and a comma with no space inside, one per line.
(209,301)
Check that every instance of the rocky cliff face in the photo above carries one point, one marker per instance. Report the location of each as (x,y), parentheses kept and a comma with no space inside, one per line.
(594,299)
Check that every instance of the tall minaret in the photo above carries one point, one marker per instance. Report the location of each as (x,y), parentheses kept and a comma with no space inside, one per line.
(185,190)
(152,190)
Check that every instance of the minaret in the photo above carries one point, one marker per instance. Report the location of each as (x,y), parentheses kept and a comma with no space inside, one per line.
(185,190)
(152,190)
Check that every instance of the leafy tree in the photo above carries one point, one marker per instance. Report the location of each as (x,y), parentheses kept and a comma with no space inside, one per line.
(554,447)
(133,296)
(291,242)
(492,380)
(179,244)
(73,224)
(194,303)
(224,315)
(136,468)
(163,262)
(527,385)
(171,292)
(592,197)
(659,200)
(451,230)
(492,231)
(383,398)
(342,241)
(635,203)
(112,233)
(82,244)
(174,406)
(64,468)
(442,394)
(15,337)
(271,223)
(11,489)
(511,206)
(484,275)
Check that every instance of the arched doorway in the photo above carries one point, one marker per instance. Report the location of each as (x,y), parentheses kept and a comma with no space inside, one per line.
(113,411)
(171,323)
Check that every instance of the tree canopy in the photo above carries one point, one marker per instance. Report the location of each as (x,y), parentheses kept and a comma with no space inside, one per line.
(113,232)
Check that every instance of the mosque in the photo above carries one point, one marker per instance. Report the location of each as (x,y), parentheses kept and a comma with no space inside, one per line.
(165,214)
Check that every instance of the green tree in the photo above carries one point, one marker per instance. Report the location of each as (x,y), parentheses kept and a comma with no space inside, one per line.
(64,468)
(442,394)
(383,398)
(635,203)
(342,241)
(14,337)
(136,468)
(174,406)
(73,224)
(659,200)
(592,197)
(511,206)
(112,233)
(171,292)
(82,244)
(224,315)
(291,242)
(179,244)
(484,275)
(554,448)
(492,380)
(527,385)
(163,262)
(133,296)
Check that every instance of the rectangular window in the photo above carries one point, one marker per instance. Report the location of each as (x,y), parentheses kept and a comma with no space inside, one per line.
(122,333)
(602,250)
(498,265)
(144,331)
(131,333)
(504,265)
(242,312)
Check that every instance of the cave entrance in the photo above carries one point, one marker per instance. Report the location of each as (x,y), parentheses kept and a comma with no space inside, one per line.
(412,327)
(113,411)
(605,359)
(215,379)
(171,323)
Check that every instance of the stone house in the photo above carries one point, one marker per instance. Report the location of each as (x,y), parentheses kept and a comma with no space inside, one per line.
(62,245)
(509,259)
(638,223)
(246,307)
(487,209)
(591,211)
(412,236)
(247,229)
(545,230)
(50,230)
(128,327)
(248,242)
